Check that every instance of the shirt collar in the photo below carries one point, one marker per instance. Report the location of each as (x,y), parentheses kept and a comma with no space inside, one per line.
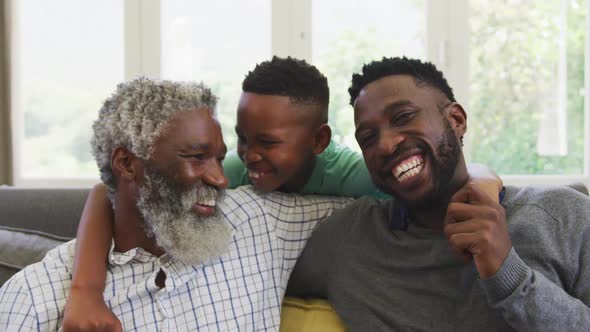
(399,218)
(121,258)
(177,272)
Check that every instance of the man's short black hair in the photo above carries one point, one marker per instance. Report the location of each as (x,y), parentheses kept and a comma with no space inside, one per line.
(423,72)
(301,82)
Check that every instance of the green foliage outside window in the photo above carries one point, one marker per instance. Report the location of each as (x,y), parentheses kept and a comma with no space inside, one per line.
(513,67)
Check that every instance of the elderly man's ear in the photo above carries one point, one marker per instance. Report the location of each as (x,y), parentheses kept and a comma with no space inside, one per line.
(126,166)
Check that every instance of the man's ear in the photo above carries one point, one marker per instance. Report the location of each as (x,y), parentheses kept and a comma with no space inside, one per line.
(321,139)
(457,118)
(126,166)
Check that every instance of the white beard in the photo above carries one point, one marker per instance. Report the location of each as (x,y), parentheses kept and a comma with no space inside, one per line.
(180,232)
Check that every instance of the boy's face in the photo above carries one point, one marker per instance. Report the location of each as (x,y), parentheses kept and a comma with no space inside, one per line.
(275,141)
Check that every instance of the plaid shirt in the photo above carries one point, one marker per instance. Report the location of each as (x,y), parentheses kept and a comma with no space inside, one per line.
(240,291)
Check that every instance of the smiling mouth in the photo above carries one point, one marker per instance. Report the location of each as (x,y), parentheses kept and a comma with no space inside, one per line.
(255,176)
(408,168)
(205,208)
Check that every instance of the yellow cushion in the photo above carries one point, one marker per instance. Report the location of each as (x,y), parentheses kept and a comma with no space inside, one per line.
(300,315)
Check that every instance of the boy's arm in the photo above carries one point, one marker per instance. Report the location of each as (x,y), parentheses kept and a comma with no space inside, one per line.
(85,307)
(93,241)
(486,180)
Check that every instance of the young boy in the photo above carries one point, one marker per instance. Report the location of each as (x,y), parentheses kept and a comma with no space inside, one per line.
(284,141)
(284,144)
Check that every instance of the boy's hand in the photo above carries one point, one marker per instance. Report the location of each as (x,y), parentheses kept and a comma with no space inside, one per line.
(485,179)
(476,229)
(86,311)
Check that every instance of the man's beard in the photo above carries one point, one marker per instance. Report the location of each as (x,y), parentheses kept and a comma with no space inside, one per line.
(169,218)
(443,164)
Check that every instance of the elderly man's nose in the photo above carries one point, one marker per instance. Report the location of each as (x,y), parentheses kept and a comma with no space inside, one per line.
(215,176)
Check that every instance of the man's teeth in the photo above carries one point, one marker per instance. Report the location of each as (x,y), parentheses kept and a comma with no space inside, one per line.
(410,173)
(408,168)
(210,202)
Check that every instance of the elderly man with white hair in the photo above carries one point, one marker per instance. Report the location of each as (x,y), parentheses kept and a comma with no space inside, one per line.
(185,255)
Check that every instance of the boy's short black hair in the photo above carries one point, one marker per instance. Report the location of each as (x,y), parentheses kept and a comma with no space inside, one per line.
(301,82)
(423,72)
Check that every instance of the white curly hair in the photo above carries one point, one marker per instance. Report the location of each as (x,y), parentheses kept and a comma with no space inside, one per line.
(136,114)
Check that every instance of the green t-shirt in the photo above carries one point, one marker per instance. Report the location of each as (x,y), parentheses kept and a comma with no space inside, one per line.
(338,171)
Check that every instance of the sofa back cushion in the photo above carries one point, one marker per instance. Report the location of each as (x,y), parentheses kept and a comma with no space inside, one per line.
(33,221)
(51,211)
(20,248)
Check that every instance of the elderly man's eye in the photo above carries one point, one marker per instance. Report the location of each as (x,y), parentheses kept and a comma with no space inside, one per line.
(198,156)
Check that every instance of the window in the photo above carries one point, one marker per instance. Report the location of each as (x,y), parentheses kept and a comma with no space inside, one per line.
(66,60)
(217,44)
(527,84)
(348,33)
(520,68)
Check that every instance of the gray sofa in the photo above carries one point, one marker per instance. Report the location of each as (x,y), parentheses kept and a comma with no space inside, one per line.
(32,221)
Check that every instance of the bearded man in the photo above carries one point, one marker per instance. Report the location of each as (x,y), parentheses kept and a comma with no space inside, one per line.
(443,256)
(185,256)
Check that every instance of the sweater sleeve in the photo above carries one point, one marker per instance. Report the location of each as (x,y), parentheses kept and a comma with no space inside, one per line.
(531,301)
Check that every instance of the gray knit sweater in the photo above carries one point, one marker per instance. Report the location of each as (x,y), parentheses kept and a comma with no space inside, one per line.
(378,279)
